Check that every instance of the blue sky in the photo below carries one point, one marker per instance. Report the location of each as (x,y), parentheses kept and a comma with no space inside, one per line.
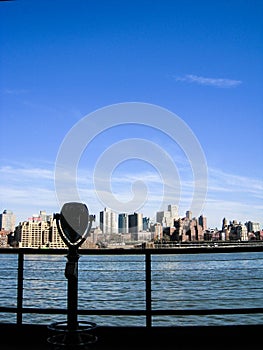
(201,60)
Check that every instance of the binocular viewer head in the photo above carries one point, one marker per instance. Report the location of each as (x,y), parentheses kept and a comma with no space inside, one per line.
(74,223)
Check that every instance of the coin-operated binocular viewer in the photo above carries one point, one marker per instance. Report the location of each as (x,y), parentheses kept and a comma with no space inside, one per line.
(74,224)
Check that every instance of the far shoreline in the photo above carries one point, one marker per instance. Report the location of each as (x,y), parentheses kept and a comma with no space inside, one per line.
(179,248)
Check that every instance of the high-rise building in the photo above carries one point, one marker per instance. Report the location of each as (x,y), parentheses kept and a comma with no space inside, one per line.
(167,218)
(173,209)
(202,221)
(253,226)
(123,223)
(164,218)
(135,224)
(146,224)
(4,238)
(157,233)
(7,221)
(189,214)
(140,222)
(238,231)
(224,224)
(159,216)
(108,222)
(38,232)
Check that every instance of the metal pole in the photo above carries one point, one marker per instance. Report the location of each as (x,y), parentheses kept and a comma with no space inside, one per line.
(71,273)
(148,289)
(20,280)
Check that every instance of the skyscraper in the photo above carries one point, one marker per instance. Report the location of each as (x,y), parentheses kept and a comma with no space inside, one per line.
(167,218)
(224,224)
(135,224)
(108,222)
(146,224)
(123,223)
(188,214)
(7,221)
(173,209)
(202,221)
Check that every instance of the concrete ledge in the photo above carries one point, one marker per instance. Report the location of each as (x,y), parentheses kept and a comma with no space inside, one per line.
(195,337)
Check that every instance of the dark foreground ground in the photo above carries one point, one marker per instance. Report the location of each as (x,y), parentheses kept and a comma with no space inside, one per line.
(35,337)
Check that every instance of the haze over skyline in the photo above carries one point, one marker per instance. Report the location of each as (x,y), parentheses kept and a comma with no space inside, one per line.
(63,60)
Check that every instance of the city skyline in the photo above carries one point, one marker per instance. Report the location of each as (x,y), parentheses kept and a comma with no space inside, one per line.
(152,220)
(200,61)
(42,230)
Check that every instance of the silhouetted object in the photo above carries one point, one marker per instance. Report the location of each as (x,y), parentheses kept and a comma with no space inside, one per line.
(74,224)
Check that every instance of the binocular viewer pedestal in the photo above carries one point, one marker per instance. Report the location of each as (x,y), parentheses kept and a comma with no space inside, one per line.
(73,224)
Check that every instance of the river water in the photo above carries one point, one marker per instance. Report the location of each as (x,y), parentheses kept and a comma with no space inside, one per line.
(184,281)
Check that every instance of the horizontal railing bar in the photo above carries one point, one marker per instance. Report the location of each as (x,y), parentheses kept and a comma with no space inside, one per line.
(152,251)
(26,310)
(29,268)
(114,280)
(156,260)
(188,312)
(154,312)
(195,270)
(185,289)
(205,280)
(114,290)
(41,311)
(125,281)
(138,300)
(43,280)
(204,299)
(112,270)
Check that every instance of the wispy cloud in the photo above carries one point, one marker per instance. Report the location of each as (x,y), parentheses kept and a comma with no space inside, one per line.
(26,173)
(222,182)
(15,91)
(217,82)
(27,190)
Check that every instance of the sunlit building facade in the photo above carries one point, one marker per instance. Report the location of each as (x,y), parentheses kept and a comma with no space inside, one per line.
(39,232)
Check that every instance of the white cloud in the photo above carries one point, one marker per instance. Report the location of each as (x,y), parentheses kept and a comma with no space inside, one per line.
(27,190)
(217,82)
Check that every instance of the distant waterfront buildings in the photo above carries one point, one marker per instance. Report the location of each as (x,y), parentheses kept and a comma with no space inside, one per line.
(187,229)
(40,230)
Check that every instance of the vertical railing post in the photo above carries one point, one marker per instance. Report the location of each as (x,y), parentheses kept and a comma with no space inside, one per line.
(148,289)
(20,282)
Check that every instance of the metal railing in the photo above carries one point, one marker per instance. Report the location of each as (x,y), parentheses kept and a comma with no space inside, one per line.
(152,271)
